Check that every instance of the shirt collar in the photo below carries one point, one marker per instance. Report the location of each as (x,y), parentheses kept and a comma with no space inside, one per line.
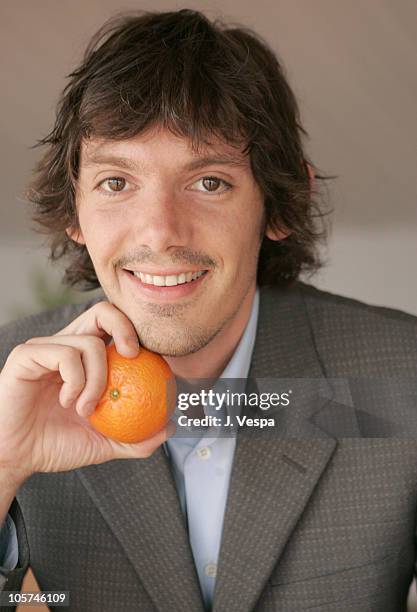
(239,364)
(236,369)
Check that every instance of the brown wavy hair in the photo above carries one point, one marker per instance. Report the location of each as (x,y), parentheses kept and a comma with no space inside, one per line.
(199,79)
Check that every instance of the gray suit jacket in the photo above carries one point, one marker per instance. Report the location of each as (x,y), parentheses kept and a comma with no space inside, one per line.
(321,512)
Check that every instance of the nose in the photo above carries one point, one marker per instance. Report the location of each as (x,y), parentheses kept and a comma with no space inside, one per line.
(163,222)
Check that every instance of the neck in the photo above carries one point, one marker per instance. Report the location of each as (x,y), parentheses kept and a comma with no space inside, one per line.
(211,360)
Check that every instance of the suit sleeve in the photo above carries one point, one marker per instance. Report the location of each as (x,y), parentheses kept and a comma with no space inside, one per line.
(9,548)
(11,579)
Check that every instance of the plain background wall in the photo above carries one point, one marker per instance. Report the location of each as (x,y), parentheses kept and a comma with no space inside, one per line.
(352,66)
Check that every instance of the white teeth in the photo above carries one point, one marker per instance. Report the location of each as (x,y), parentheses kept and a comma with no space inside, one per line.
(168,281)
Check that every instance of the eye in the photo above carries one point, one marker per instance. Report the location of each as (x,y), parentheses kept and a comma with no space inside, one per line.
(113,185)
(211,184)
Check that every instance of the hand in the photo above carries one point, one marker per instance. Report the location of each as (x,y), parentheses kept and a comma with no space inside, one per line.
(49,385)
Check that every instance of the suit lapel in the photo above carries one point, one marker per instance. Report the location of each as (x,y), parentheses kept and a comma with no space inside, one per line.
(275,471)
(270,486)
(139,501)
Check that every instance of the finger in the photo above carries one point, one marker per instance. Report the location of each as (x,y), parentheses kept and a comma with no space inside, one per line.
(28,363)
(94,360)
(106,319)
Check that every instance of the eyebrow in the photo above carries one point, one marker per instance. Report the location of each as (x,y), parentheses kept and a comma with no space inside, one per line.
(98,159)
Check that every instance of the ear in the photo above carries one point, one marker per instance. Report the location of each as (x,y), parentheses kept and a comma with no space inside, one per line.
(311,176)
(276,234)
(75,235)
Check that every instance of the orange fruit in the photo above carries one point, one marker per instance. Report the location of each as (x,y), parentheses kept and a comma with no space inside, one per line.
(139,398)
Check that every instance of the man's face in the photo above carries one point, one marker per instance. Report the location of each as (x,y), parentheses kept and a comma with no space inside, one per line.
(150,204)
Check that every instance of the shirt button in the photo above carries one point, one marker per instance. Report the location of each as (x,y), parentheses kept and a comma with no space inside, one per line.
(210,570)
(204,452)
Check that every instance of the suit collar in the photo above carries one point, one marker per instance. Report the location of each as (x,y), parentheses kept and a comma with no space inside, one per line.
(285,357)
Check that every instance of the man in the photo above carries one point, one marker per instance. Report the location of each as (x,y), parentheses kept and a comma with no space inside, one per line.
(177,152)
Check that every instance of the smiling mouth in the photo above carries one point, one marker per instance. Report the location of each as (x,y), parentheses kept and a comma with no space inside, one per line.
(172,280)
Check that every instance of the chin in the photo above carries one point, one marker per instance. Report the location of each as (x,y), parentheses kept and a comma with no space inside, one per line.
(168,349)
(177,344)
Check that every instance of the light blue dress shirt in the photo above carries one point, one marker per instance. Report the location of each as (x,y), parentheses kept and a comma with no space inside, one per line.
(201,468)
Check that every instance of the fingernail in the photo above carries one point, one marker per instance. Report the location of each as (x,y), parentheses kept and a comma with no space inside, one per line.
(133,345)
